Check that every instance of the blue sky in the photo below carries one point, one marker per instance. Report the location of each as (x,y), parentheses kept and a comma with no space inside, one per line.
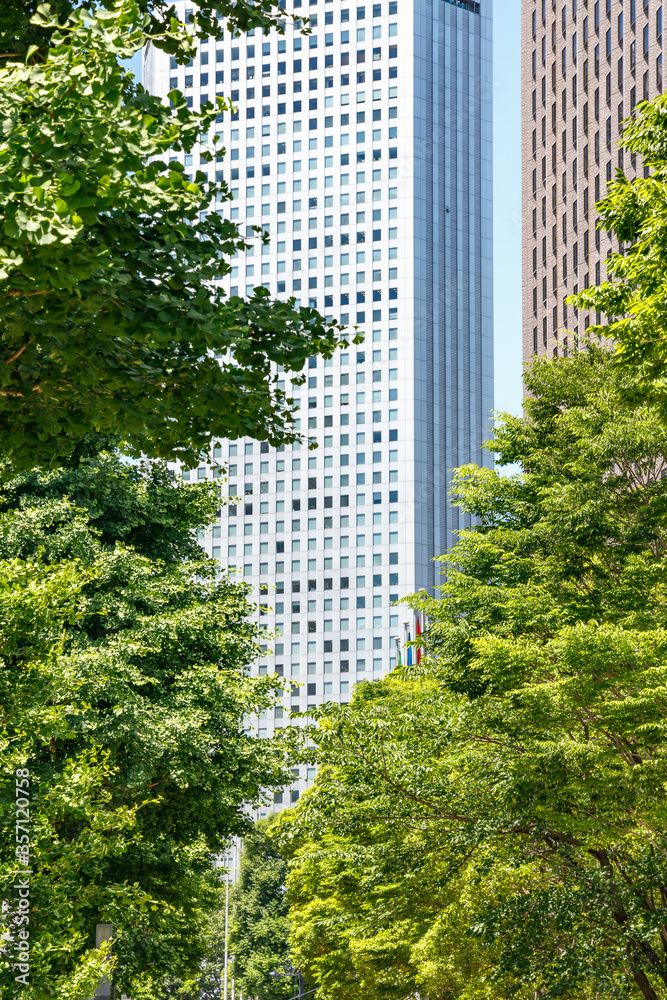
(507,202)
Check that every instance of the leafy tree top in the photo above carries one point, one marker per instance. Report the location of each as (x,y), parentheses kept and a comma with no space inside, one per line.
(632,301)
(112,318)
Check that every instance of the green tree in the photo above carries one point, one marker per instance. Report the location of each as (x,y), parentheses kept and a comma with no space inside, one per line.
(125,692)
(258,930)
(112,318)
(382,898)
(505,802)
(632,301)
(260,923)
(208,982)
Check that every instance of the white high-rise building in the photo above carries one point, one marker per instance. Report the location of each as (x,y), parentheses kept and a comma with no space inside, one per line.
(364,149)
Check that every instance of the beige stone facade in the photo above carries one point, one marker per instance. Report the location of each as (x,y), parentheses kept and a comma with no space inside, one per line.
(586,64)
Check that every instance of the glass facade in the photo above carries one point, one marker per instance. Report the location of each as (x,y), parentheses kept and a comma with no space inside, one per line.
(364,150)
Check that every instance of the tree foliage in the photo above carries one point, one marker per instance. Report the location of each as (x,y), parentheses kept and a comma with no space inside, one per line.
(633,300)
(124,691)
(207,983)
(258,928)
(492,822)
(260,924)
(112,318)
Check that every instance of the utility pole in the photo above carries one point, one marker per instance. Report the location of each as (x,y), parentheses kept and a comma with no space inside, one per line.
(226,934)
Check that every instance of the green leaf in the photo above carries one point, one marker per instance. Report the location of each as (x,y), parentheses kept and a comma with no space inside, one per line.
(125,254)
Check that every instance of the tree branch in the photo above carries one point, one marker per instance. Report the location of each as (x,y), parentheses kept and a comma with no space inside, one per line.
(16,355)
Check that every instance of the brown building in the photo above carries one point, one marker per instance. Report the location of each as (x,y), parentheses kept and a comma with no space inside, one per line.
(586,64)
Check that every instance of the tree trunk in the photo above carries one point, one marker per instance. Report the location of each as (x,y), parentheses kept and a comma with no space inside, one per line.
(642,982)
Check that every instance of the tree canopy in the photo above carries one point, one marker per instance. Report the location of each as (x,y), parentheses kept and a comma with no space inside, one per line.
(492,822)
(125,692)
(112,316)
(259,923)
(632,301)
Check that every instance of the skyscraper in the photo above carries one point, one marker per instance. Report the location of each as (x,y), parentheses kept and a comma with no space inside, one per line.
(586,64)
(364,150)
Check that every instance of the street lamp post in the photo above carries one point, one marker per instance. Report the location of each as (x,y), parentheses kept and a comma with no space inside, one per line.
(226,934)
(234,875)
